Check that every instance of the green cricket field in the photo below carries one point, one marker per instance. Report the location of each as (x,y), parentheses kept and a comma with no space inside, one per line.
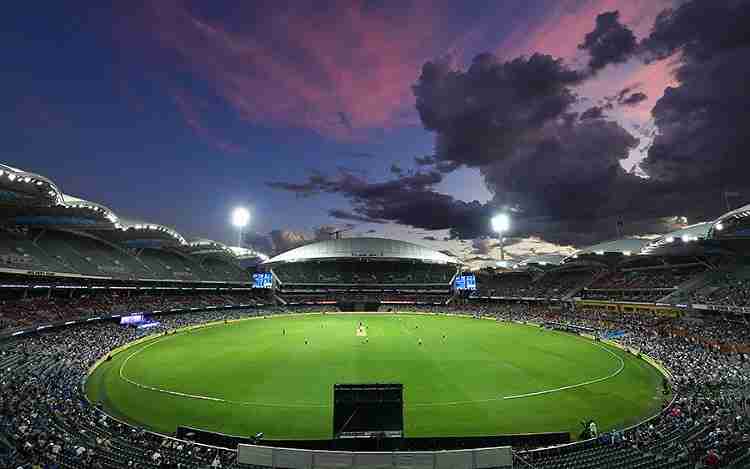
(461,376)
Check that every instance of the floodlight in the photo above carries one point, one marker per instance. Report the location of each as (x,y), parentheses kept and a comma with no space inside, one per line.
(670,239)
(627,253)
(719,226)
(11,176)
(685,238)
(501,222)
(240,217)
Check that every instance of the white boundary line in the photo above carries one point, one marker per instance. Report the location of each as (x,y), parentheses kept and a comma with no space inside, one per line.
(573,386)
(311,405)
(198,396)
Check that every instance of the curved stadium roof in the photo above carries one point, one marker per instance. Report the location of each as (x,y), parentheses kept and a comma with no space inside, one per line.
(363,247)
(620,246)
(52,207)
(679,237)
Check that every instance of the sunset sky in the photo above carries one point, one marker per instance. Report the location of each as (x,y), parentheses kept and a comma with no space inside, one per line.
(409,119)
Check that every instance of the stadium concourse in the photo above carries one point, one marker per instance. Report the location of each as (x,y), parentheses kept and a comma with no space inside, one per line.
(71,269)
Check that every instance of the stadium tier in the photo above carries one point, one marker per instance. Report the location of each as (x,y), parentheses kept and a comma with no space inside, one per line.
(47,421)
(358,273)
(363,273)
(123,344)
(81,254)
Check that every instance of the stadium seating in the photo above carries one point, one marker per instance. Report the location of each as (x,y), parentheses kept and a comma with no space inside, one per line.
(20,312)
(169,265)
(45,419)
(506,285)
(84,254)
(88,255)
(17,251)
(343,273)
(650,284)
(730,288)
(552,284)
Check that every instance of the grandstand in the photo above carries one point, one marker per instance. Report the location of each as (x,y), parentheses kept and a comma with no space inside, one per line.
(691,266)
(70,268)
(363,272)
(63,257)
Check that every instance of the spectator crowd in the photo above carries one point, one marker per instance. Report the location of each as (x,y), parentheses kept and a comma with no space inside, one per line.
(49,423)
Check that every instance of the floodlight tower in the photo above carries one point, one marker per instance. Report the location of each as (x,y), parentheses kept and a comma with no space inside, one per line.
(240,219)
(501,224)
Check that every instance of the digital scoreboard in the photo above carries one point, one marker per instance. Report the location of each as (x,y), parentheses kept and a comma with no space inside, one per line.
(263,280)
(465,282)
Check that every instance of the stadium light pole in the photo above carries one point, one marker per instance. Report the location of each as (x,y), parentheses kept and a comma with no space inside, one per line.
(240,218)
(501,224)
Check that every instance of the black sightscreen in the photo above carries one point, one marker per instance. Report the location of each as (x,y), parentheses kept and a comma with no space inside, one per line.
(368,410)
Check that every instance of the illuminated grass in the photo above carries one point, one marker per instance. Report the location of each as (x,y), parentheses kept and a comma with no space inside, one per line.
(454,386)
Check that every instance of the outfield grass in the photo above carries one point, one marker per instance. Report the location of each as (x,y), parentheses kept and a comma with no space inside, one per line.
(453,386)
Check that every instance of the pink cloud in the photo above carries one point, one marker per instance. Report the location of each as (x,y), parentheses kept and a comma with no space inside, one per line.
(347,68)
(334,73)
(567,21)
(186,104)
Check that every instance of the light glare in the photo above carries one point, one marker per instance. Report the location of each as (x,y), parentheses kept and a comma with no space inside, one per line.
(240,217)
(501,222)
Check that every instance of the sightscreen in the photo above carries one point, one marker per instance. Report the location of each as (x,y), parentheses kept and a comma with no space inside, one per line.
(366,410)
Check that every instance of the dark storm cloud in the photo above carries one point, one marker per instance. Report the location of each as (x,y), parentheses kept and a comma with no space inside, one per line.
(315,184)
(634,99)
(517,128)
(481,114)
(426,160)
(594,112)
(567,171)
(512,121)
(699,29)
(561,175)
(702,134)
(408,200)
(345,121)
(610,42)
(701,141)
(347,215)
(440,165)
(628,96)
